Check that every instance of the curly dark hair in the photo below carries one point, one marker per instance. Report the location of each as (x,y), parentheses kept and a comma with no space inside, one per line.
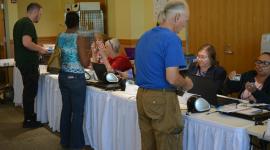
(72,19)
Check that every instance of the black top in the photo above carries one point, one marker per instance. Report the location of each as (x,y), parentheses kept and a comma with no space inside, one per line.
(215,73)
(23,56)
(262,96)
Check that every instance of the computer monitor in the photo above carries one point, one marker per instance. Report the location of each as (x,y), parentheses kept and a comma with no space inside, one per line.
(225,100)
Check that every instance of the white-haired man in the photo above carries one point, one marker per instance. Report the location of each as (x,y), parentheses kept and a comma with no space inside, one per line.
(158,56)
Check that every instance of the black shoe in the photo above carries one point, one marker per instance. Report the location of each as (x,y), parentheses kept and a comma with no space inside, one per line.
(34,117)
(65,147)
(31,124)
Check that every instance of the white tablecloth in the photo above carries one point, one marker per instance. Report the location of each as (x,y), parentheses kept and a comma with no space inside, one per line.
(110,117)
(18,84)
(111,121)
(259,131)
(215,132)
(49,101)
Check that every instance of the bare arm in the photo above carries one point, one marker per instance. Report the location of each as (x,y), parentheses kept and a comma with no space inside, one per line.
(83,50)
(174,78)
(27,42)
(106,61)
(94,52)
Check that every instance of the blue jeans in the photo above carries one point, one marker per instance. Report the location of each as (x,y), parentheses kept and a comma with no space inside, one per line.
(73,90)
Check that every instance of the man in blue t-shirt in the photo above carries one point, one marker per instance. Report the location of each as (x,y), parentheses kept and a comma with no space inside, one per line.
(158,58)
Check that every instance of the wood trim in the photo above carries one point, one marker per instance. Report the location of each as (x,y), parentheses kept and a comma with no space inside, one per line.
(134,42)
(41,40)
(128,41)
(50,39)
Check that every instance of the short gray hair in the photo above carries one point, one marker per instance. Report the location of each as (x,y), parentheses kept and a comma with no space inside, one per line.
(114,42)
(172,8)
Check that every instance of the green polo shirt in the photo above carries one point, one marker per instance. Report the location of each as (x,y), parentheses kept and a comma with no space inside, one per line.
(23,56)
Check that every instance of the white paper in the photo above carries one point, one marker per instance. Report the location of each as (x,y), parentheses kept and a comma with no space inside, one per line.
(183,99)
(267,133)
(131,89)
(232,108)
(251,111)
(49,47)
(7,62)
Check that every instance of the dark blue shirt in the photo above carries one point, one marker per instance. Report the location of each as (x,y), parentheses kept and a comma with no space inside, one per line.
(157,49)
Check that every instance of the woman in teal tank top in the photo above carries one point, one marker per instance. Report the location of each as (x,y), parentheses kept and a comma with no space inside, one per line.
(74,58)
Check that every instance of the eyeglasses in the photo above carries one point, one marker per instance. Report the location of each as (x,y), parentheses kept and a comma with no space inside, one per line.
(202,57)
(110,43)
(264,63)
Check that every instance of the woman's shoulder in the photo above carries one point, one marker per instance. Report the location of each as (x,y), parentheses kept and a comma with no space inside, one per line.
(220,69)
(193,66)
(249,73)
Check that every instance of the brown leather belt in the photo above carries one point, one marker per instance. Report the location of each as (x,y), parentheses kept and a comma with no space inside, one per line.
(161,90)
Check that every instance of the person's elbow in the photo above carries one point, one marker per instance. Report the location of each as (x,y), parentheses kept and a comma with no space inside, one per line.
(172,75)
(85,63)
(172,79)
(84,60)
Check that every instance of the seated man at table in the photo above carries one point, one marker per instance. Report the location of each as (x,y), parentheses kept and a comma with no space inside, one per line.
(254,85)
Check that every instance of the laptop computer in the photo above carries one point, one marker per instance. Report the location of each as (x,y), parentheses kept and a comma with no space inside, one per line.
(225,100)
(205,87)
(101,71)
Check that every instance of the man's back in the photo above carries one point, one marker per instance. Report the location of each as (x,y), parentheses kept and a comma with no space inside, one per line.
(156,50)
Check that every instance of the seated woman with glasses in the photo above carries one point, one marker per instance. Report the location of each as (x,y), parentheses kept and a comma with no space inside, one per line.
(253,85)
(113,60)
(207,66)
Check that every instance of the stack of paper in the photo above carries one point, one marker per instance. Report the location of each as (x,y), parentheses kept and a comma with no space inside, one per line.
(7,62)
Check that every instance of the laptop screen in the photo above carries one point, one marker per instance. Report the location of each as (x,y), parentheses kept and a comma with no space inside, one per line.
(205,87)
(100,70)
(225,100)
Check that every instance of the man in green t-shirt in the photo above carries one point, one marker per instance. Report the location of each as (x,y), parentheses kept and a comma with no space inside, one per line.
(27,57)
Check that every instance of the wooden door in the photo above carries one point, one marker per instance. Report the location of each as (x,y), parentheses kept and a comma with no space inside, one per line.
(234,27)
(2,31)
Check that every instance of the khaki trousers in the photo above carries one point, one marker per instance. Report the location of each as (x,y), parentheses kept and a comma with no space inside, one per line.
(159,119)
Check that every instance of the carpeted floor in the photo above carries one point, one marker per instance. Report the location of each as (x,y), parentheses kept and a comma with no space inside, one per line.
(14,137)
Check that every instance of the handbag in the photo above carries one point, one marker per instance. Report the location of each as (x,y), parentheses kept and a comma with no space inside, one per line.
(54,63)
